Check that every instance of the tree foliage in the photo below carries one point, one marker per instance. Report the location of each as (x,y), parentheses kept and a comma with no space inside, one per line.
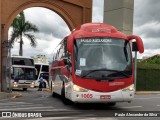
(23,28)
(152,60)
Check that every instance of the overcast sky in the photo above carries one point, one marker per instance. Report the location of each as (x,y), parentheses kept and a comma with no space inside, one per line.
(147,24)
(53,28)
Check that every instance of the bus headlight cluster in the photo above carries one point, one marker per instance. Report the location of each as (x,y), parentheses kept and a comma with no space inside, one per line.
(32,84)
(15,84)
(129,88)
(79,89)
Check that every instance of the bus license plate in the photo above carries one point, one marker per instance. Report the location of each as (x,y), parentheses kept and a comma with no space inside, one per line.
(102,97)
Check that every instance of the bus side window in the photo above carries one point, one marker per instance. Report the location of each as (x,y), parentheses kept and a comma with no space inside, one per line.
(65,47)
(66,53)
(56,56)
(61,51)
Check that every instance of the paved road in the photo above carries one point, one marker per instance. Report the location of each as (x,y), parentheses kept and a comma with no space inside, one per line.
(43,103)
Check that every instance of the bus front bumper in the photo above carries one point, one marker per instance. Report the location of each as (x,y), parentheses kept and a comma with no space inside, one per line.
(20,85)
(102,97)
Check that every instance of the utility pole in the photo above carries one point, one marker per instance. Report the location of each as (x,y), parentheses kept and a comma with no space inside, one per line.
(135,49)
(135,70)
(4,62)
(9,66)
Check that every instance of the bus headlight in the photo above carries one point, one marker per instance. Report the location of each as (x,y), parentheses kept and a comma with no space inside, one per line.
(129,88)
(32,84)
(79,89)
(15,83)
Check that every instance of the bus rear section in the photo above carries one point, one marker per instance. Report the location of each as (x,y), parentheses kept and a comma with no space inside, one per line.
(22,72)
(94,65)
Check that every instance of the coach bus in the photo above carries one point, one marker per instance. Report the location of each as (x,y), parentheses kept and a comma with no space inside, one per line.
(94,65)
(23,72)
(42,71)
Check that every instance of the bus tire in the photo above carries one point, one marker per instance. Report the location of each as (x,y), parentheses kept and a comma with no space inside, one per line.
(111,103)
(24,89)
(54,94)
(64,99)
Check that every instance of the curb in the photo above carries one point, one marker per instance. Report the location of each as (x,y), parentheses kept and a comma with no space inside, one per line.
(147,92)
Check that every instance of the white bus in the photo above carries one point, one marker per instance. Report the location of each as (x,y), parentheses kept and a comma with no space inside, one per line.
(42,71)
(23,72)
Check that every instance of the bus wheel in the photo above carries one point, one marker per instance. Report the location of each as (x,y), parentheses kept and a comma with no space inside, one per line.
(64,99)
(111,103)
(54,94)
(24,89)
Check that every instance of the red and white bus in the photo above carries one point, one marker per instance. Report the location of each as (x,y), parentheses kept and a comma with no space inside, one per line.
(94,65)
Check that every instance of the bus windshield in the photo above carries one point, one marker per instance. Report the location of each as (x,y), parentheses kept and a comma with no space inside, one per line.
(22,61)
(45,68)
(23,73)
(102,56)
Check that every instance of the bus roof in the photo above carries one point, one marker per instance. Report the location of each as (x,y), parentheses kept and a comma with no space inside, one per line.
(89,30)
(96,30)
(21,57)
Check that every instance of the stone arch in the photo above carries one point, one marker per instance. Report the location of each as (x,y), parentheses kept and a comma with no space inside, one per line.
(73,12)
(55,8)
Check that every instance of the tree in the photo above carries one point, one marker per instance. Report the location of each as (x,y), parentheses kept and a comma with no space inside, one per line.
(23,28)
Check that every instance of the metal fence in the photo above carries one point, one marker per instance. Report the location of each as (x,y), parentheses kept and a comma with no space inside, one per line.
(148,80)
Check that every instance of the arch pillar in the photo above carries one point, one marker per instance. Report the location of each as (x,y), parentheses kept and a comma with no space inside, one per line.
(119,13)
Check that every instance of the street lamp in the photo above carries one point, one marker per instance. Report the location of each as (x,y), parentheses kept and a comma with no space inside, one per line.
(135,49)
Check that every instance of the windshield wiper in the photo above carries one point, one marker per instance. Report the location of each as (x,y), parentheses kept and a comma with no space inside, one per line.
(117,71)
(121,72)
(91,71)
(105,78)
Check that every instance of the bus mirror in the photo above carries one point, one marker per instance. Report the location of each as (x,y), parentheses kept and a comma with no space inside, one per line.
(139,43)
(134,46)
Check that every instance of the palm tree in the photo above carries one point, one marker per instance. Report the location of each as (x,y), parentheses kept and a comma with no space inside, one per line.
(22,28)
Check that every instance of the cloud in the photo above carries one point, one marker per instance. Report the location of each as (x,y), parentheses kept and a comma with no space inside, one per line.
(146,10)
(149,29)
(147,19)
(44,47)
(147,25)
(149,34)
(148,53)
(52,29)
(98,6)
(47,21)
